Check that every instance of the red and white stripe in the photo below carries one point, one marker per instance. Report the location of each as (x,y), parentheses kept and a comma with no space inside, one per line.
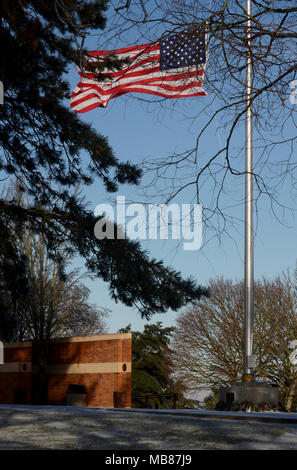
(141,75)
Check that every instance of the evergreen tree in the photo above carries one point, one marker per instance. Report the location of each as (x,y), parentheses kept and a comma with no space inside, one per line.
(14,282)
(150,375)
(42,142)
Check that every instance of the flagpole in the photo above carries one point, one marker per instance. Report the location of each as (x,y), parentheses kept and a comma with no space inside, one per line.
(249,226)
(248,390)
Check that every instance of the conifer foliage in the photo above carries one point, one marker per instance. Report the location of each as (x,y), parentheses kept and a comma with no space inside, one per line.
(41,145)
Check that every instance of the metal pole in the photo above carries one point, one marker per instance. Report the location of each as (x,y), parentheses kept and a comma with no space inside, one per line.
(249,229)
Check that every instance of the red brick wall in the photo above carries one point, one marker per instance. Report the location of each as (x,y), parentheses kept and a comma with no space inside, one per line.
(90,351)
(10,382)
(96,362)
(12,374)
(18,354)
(99,388)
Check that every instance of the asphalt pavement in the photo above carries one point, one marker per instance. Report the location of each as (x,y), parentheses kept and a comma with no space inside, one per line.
(54,427)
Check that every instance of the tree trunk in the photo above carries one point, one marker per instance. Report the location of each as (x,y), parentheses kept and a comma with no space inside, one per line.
(39,378)
(292,390)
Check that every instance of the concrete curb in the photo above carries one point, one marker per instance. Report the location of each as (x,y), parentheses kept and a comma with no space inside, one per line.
(262,417)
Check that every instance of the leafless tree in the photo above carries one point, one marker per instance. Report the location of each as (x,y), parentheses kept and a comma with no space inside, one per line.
(273,52)
(59,305)
(208,344)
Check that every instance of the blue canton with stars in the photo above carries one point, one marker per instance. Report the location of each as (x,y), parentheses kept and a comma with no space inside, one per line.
(182,50)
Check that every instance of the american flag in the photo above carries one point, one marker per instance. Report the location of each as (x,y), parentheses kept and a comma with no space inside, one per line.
(172,67)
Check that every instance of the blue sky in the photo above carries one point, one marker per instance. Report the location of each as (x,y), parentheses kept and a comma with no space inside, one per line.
(138,131)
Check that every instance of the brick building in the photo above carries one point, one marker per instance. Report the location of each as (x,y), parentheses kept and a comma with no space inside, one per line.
(101,363)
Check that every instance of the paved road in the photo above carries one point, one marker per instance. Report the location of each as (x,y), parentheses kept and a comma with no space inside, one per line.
(90,429)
